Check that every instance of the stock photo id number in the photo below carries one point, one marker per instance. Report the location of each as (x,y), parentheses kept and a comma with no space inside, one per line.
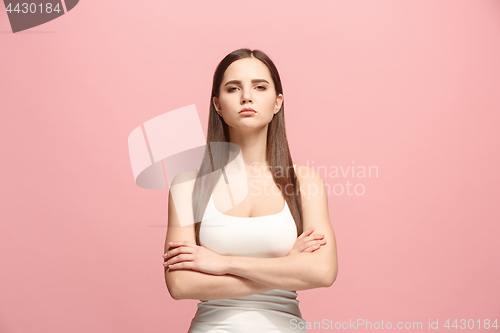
(26,15)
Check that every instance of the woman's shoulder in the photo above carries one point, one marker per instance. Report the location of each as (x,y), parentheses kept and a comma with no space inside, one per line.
(185,176)
(306,174)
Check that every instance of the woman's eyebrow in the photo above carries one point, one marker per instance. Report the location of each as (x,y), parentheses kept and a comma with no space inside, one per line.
(239,82)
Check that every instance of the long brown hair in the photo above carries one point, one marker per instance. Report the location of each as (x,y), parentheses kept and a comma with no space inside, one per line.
(217,155)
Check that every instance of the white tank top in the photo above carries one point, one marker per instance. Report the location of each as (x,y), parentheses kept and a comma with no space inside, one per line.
(267,236)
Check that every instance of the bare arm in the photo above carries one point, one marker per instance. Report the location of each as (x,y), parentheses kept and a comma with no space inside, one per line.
(201,286)
(298,272)
(256,275)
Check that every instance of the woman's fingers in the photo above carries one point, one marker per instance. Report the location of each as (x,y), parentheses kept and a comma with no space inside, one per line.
(317,236)
(312,248)
(181,243)
(182,265)
(179,258)
(307,241)
(312,245)
(314,237)
(303,242)
(306,233)
(176,251)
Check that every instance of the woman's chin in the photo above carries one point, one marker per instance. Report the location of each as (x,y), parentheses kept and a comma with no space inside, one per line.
(247,126)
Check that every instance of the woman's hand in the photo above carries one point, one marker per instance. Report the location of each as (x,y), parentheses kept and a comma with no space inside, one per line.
(307,242)
(186,255)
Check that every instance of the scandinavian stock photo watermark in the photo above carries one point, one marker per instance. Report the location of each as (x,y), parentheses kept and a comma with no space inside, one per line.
(431,324)
(337,180)
(160,161)
(238,181)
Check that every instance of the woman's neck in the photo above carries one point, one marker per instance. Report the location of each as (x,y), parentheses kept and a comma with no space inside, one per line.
(253,146)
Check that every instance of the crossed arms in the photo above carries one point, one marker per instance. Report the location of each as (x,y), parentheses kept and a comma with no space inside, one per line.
(241,276)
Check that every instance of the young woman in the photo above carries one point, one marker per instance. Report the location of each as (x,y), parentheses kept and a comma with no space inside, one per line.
(245,263)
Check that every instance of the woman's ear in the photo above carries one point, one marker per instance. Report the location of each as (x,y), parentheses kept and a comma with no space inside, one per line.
(215,100)
(279,102)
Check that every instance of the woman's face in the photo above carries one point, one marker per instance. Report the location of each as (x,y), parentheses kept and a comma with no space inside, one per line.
(247,83)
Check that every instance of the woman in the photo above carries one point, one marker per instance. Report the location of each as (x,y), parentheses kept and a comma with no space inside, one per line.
(245,263)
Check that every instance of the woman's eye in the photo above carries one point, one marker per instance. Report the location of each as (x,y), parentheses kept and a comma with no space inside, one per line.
(260,87)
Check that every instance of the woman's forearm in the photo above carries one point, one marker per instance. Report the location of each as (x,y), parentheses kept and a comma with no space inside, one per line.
(189,284)
(297,272)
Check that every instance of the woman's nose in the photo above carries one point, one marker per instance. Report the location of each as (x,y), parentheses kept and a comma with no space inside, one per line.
(246,96)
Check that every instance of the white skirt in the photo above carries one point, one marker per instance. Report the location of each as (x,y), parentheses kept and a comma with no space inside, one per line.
(271,311)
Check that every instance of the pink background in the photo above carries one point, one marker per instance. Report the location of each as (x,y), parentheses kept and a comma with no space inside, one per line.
(411,87)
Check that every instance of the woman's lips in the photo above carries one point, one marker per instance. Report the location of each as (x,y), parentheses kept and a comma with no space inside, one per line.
(247,113)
